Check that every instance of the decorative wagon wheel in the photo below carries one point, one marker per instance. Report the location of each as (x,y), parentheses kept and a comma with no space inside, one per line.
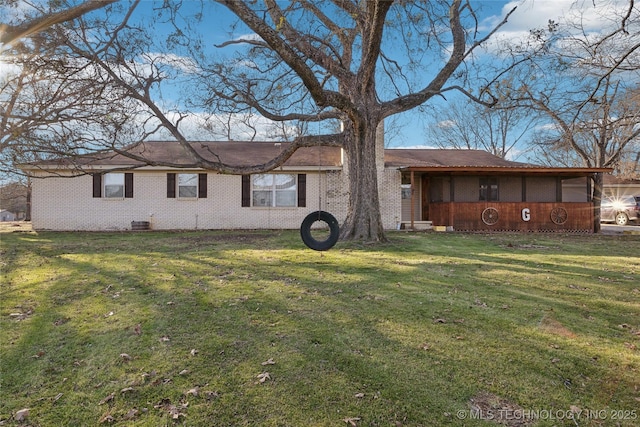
(559,215)
(490,216)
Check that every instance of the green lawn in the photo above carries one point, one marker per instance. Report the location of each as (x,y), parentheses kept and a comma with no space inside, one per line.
(253,329)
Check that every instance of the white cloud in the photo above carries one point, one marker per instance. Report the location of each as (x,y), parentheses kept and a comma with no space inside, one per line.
(416,147)
(592,17)
(446,124)
(201,126)
(7,69)
(249,37)
(180,63)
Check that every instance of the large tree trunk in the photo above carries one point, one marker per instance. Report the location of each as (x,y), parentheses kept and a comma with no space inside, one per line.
(363,221)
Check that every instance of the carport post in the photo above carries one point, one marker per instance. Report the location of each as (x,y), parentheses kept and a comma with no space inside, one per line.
(412,200)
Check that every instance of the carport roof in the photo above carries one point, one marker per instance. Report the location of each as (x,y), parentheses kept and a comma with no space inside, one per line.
(472,162)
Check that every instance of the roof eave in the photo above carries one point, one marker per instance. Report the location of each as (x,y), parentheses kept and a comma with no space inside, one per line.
(482,170)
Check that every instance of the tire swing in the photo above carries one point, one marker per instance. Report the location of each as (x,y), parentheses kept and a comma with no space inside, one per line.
(319,216)
(310,240)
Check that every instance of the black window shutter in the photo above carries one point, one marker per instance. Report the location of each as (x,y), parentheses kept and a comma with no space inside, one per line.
(97,185)
(202,185)
(128,185)
(246,191)
(171,185)
(302,190)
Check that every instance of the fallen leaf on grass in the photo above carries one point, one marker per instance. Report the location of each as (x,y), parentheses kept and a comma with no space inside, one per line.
(175,411)
(440,320)
(193,352)
(359,395)
(263,377)
(183,372)
(131,414)
(125,357)
(165,339)
(21,415)
(210,395)
(138,329)
(107,399)
(126,390)
(480,303)
(106,418)
(268,362)
(21,315)
(194,391)
(351,421)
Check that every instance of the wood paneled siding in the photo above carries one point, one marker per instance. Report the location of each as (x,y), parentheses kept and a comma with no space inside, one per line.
(541,188)
(543,217)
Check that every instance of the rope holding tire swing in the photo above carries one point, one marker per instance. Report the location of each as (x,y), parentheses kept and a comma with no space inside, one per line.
(319,216)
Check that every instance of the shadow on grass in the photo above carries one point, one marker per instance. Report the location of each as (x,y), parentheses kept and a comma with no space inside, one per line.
(407,332)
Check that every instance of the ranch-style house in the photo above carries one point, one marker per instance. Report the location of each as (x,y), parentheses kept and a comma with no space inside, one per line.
(462,190)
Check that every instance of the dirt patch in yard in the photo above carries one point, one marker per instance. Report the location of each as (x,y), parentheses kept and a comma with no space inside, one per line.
(489,407)
(552,326)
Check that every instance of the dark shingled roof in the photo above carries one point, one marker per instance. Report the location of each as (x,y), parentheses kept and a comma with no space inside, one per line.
(445,158)
(239,154)
(233,153)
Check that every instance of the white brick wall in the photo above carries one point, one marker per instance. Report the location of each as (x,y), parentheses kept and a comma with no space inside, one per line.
(68,204)
(390,194)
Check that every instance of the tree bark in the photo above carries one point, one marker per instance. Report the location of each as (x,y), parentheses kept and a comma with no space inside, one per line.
(11,33)
(363,221)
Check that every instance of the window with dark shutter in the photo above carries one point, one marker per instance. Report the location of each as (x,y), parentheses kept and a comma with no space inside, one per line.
(128,185)
(246,191)
(302,190)
(97,185)
(202,185)
(171,185)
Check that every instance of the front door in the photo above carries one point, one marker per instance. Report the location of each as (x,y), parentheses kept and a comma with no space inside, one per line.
(425,198)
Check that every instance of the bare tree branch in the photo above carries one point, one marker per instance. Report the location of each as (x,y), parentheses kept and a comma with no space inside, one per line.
(12,33)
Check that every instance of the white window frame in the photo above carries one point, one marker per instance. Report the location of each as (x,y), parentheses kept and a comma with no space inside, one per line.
(275,195)
(110,184)
(183,186)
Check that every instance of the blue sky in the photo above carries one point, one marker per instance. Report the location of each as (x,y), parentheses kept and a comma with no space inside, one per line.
(530,14)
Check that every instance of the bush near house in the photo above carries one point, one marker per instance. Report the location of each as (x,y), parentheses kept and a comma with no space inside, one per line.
(251,328)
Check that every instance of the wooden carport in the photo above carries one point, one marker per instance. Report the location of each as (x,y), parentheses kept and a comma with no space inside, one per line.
(539,214)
